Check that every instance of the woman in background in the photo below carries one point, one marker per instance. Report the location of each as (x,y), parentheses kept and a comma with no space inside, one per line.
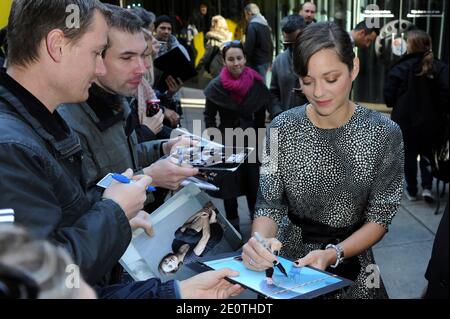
(241,98)
(416,88)
(212,61)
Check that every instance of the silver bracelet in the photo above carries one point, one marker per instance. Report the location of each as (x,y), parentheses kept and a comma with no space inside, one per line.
(339,254)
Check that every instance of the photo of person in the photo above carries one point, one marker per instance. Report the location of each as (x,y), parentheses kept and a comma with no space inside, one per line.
(198,235)
(207,156)
(189,227)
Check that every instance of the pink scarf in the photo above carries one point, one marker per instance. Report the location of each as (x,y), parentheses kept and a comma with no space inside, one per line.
(239,87)
(144,94)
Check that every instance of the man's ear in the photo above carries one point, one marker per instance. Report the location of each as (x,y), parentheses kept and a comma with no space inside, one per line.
(355,70)
(361,33)
(55,42)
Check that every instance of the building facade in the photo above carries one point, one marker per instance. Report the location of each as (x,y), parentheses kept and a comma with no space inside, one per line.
(394,17)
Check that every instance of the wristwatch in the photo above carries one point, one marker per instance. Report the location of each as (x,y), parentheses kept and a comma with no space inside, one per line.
(339,254)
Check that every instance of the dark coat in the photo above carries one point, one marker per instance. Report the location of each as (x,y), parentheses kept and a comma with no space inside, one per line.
(151,288)
(250,114)
(258,44)
(45,193)
(416,101)
(437,271)
(284,80)
(107,147)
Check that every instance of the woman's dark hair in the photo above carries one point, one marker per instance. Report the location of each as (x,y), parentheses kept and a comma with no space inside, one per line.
(232,44)
(420,42)
(320,36)
(161,270)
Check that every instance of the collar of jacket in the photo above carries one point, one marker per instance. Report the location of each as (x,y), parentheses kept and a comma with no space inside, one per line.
(259,18)
(51,122)
(104,108)
(61,149)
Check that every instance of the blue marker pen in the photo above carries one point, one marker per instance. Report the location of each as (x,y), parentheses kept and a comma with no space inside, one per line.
(126,180)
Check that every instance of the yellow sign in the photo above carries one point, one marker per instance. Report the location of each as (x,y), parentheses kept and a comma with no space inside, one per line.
(199,44)
(5,6)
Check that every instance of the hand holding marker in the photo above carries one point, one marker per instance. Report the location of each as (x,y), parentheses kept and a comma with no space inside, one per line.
(125,180)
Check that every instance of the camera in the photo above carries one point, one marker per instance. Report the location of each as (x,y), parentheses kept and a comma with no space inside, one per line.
(152,107)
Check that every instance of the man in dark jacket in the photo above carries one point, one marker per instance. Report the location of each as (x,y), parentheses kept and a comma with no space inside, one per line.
(285,86)
(40,156)
(258,44)
(437,271)
(107,122)
(362,36)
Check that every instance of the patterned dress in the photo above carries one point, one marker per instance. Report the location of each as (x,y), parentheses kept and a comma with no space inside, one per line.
(332,177)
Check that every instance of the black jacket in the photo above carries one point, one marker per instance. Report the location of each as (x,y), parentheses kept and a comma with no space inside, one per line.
(258,44)
(38,181)
(437,271)
(416,101)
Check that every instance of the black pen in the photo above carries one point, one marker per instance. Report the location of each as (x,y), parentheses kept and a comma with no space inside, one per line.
(276,263)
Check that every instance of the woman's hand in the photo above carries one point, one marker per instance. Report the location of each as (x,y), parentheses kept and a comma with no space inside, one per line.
(256,257)
(319,259)
(142,221)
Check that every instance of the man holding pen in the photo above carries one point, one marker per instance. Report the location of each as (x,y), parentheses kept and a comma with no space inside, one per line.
(41,157)
(104,123)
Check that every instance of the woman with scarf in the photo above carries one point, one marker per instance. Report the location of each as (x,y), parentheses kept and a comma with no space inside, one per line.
(241,98)
(151,127)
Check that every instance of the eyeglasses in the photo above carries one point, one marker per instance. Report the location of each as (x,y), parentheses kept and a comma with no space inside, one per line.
(234,42)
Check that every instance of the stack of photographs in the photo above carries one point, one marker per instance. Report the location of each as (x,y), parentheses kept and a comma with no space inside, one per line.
(211,157)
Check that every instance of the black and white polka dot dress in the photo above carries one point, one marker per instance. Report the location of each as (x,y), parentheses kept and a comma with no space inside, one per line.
(335,177)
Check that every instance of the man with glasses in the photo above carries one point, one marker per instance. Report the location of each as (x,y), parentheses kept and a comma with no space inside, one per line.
(285,86)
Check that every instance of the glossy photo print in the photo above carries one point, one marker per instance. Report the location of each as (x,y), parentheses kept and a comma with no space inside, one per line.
(304,282)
